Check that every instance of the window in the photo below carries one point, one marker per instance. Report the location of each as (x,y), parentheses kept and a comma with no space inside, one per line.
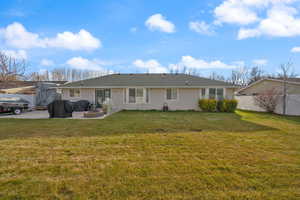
(138,95)
(203,93)
(216,93)
(125,95)
(220,93)
(212,93)
(139,92)
(75,92)
(171,93)
(147,95)
(107,94)
(132,95)
(102,95)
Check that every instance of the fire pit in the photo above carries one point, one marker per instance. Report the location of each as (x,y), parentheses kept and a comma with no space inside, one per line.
(93,114)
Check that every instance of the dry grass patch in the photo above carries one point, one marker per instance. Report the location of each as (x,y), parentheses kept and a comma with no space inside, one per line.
(244,156)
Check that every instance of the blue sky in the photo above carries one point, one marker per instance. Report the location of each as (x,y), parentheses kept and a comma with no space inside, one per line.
(152,36)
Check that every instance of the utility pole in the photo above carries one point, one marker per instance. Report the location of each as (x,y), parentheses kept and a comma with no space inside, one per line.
(284,92)
(285,69)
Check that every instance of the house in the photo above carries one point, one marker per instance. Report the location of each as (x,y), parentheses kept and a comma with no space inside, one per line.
(293,86)
(148,91)
(246,95)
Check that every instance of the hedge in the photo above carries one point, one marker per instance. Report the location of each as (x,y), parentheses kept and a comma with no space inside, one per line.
(208,105)
(211,105)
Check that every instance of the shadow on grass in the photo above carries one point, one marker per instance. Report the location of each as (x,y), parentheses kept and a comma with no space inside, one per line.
(128,122)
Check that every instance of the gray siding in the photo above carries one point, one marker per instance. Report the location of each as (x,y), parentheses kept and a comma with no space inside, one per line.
(85,94)
(187,99)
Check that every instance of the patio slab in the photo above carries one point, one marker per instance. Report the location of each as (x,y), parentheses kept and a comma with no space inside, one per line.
(38,114)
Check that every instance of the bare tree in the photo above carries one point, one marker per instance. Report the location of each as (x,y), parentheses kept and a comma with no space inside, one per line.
(268,99)
(11,69)
(216,76)
(255,74)
(35,76)
(286,72)
(58,74)
(239,77)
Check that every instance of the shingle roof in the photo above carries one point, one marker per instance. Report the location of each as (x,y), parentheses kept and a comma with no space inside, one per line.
(147,80)
(16,84)
(296,80)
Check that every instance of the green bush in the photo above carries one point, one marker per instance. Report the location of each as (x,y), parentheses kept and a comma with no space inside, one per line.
(230,105)
(211,105)
(208,105)
(221,106)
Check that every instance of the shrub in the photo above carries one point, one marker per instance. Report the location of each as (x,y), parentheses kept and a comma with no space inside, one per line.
(211,105)
(268,99)
(221,106)
(228,105)
(208,105)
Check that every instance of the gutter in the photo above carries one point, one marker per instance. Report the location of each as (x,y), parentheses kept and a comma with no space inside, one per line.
(162,87)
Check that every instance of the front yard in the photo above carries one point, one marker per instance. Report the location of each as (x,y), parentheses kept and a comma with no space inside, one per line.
(152,155)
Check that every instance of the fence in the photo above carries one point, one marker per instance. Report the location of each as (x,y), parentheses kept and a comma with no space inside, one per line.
(292,105)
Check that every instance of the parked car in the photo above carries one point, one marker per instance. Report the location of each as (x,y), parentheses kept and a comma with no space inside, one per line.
(15,105)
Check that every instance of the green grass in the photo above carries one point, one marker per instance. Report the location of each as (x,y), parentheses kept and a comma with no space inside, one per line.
(152,155)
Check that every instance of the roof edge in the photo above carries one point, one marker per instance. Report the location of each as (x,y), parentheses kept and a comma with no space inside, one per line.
(266,79)
(158,87)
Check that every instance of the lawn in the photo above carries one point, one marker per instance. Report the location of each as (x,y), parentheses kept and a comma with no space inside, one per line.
(152,155)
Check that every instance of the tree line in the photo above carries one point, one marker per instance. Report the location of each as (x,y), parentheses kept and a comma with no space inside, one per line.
(12,69)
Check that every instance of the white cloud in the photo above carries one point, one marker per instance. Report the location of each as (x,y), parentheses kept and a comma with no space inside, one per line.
(201,27)
(84,64)
(19,54)
(275,18)
(46,62)
(190,62)
(260,61)
(159,23)
(281,21)
(234,12)
(95,65)
(248,33)
(17,36)
(152,66)
(83,40)
(295,50)
(187,63)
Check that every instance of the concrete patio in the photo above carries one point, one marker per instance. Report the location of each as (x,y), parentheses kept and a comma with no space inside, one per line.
(43,115)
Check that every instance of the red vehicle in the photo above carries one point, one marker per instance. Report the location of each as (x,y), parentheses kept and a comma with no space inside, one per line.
(13,105)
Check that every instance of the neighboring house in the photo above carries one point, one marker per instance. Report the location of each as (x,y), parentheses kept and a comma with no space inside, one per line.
(293,86)
(148,91)
(37,93)
(245,96)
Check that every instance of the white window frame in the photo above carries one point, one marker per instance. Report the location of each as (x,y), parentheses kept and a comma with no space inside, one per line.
(144,101)
(207,92)
(200,93)
(224,94)
(74,92)
(166,94)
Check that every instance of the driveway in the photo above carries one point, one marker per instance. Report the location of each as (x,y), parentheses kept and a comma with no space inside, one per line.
(43,115)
